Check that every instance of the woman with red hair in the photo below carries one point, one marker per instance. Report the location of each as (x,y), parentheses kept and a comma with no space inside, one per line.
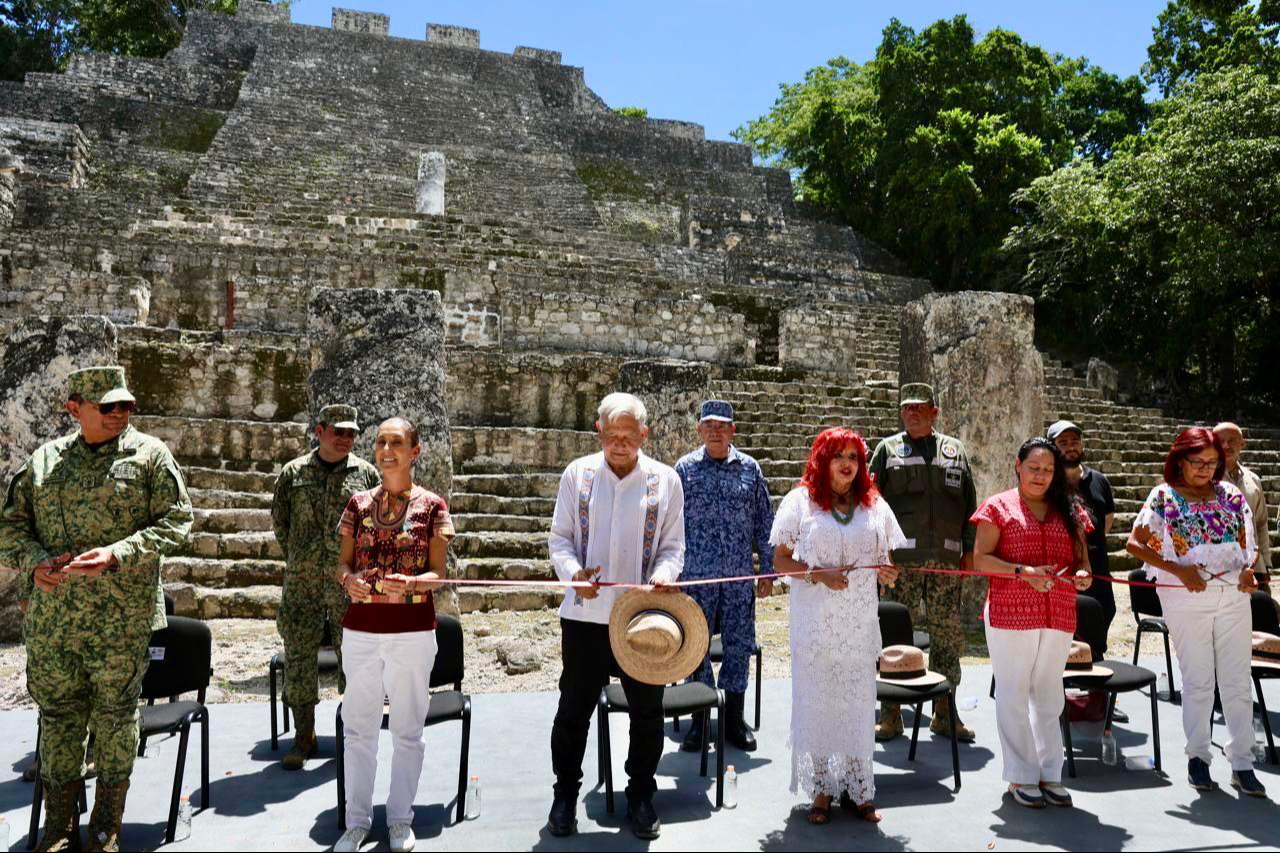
(835,519)
(1195,533)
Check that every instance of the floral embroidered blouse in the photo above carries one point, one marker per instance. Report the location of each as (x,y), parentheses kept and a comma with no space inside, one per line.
(1216,533)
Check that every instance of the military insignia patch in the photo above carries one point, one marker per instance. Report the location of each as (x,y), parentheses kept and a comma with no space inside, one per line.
(949,450)
(904,450)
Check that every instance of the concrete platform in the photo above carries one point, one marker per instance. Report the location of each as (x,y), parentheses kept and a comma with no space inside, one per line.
(258,806)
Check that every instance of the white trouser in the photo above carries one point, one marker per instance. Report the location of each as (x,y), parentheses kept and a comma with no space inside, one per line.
(1211,633)
(397,666)
(1028,669)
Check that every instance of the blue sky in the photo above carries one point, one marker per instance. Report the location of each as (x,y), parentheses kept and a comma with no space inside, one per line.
(719,63)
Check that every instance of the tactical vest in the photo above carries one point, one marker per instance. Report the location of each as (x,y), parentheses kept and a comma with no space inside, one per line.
(927,498)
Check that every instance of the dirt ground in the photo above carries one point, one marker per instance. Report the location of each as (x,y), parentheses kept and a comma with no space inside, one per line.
(243,648)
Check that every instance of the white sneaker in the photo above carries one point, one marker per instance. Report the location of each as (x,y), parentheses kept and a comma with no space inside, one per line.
(402,839)
(351,840)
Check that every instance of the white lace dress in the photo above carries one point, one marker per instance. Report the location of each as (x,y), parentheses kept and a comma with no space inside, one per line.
(835,643)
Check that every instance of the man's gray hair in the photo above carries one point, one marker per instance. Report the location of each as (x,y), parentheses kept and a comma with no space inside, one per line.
(617,404)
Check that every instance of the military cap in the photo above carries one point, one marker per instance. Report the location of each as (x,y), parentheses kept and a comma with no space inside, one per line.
(1059,427)
(914,393)
(340,416)
(717,410)
(100,385)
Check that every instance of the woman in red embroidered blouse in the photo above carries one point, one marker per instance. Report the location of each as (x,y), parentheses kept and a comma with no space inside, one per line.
(395,540)
(1034,534)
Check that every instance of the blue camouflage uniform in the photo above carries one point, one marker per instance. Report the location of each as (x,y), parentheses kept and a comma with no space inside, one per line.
(727,511)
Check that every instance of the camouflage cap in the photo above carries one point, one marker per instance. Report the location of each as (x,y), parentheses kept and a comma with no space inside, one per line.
(717,410)
(99,385)
(914,393)
(340,416)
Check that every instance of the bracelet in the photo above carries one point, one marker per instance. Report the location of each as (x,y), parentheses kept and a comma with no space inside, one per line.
(808,573)
(1017,570)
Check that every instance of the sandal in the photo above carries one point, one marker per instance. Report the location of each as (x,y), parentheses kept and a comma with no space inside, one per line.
(863,811)
(819,815)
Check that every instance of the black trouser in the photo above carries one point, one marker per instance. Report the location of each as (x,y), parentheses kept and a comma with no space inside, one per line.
(588,663)
(1103,591)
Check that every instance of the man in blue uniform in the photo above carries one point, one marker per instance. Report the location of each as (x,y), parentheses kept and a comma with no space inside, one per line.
(727,513)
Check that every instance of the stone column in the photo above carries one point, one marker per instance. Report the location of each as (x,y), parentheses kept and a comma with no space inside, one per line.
(37,354)
(672,391)
(383,351)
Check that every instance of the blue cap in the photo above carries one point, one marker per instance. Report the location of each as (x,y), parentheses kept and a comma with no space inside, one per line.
(717,410)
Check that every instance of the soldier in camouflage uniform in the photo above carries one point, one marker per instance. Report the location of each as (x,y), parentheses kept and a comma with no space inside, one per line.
(310,495)
(925,477)
(90,515)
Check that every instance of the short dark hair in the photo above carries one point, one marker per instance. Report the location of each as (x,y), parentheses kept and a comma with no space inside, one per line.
(1189,441)
(408,425)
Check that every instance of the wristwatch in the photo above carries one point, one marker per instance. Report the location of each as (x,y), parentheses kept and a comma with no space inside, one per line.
(1017,570)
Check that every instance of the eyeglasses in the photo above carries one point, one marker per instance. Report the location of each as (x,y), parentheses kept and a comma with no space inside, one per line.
(345,433)
(108,408)
(1202,464)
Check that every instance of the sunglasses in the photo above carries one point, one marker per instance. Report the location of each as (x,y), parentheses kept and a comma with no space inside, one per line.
(126,406)
(345,433)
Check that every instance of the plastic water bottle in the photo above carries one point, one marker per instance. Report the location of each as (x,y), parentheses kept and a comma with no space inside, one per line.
(473,799)
(4,833)
(1110,750)
(967,703)
(1259,739)
(183,830)
(1162,689)
(730,787)
(1139,762)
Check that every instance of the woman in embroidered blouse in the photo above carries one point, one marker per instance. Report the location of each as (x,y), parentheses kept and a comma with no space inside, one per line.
(395,540)
(1034,534)
(1194,533)
(835,518)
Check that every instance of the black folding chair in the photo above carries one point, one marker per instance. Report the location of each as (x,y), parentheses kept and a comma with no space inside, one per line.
(1149,615)
(446,706)
(678,700)
(717,656)
(1265,620)
(1091,627)
(326,661)
(896,630)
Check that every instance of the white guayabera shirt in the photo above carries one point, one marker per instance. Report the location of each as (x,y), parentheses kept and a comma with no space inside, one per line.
(619,519)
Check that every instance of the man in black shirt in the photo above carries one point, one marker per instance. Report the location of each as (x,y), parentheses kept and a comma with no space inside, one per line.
(1095,491)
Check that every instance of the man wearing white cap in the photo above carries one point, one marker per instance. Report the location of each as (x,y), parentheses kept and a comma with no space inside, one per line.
(619,518)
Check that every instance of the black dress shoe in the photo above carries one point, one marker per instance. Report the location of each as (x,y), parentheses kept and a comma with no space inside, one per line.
(1118,716)
(693,740)
(644,820)
(563,819)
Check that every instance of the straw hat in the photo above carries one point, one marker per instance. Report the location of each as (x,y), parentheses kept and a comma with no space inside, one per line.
(658,638)
(1266,650)
(904,666)
(1080,663)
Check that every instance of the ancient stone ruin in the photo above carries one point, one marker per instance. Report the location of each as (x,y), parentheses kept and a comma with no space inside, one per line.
(201,202)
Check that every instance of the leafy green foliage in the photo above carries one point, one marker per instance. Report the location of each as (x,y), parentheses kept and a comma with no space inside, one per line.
(1201,36)
(632,112)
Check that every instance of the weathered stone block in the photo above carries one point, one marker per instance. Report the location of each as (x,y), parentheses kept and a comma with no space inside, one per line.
(451,36)
(264,10)
(1104,377)
(672,391)
(539,54)
(351,21)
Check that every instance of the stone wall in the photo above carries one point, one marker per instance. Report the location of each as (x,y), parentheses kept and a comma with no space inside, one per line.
(53,153)
(36,357)
(451,36)
(689,330)
(522,449)
(534,389)
(672,392)
(821,337)
(552,56)
(369,23)
(145,79)
(9,166)
(60,289)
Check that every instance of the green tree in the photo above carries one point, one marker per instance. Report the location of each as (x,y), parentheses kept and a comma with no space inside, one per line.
(921,147)
(1192,37)
(1172,248)
(632,112)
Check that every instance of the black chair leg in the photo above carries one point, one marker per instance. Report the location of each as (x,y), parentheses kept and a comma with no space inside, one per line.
(955,741)
(720,727)
(1111,710)
(204,759)
(1174,696)
(759,683)
(992,691)
(342,770)
(1137,646)
(275,726)
(463,762)
(705,743)
(1066,740)
(1266,721)
(37,801)
(1155,728)
(916,710)
(172,825)
(675,724)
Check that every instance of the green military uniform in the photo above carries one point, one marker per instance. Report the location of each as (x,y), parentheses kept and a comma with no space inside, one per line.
(929,485)
(310,496)
(87,638)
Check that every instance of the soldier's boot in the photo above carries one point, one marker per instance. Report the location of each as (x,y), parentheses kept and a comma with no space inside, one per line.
(941,722)
(890,725)
(736,731)
(61,805)
(693,740)
(304,739)
(32,771)
(108,814)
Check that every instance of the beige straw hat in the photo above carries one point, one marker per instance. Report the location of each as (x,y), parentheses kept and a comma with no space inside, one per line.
(1080,663)
(658,638)
(1266,650)
(904,666)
